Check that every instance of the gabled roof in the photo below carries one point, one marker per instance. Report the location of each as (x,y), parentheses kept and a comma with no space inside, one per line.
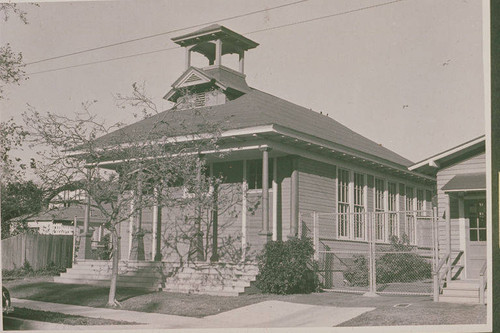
(257,108)
(465,150)
(221,76)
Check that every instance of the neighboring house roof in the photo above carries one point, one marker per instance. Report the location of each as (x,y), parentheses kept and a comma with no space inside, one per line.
(63,214)
(466,182)
(432,164)
(254,108)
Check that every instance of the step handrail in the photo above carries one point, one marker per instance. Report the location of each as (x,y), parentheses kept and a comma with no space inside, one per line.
(482,283)
(438,275)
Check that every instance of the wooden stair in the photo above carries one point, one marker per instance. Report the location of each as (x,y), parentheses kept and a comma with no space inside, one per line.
(461,291)
(203,278)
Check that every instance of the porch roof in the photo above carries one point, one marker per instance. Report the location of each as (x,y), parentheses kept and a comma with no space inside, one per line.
(466,183)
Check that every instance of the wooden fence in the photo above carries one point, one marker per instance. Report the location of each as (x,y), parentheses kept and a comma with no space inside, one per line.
(38,250)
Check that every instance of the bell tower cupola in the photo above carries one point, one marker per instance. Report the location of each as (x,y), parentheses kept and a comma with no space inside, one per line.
(213,42)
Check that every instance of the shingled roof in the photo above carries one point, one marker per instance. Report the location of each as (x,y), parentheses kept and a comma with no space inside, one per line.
(256,108)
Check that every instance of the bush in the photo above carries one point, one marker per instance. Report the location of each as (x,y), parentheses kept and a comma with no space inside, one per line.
(287,267)
(27,271)
(391,267)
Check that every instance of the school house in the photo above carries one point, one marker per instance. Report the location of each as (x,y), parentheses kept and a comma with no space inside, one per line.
(284,162)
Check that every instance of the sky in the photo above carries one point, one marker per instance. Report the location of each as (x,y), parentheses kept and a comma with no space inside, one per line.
(407,74)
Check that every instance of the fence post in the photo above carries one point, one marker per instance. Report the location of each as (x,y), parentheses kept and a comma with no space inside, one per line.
(73,257)
(435,249)
(374,253)
(315,235)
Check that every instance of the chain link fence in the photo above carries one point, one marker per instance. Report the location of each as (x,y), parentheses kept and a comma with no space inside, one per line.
(382,252)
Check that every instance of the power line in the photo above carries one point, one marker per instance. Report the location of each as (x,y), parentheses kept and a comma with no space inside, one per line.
(247,33)
(105,60)
(165,33)
(326,16)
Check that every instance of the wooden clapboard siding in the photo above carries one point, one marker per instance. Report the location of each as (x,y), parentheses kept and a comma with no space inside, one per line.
(317,186)
(147,228)
(124,240)
(317,192)
(284,196)
(473,164)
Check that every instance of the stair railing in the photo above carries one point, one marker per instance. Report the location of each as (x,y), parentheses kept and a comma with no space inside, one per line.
(482,284)
(443,271)
(438,276)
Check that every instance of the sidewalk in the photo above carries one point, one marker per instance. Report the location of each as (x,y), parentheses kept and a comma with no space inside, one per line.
(264,314)
(152,319)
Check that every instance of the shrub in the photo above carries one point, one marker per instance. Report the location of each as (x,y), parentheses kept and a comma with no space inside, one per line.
(27,271)
(287,267)
(391,267)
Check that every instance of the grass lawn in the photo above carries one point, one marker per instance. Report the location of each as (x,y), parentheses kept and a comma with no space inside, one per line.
(60,318)
(422,311)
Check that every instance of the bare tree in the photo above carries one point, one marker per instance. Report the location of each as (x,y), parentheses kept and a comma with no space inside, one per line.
(127,169)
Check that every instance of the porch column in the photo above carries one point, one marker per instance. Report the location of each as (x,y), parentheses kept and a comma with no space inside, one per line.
(265,194)
(275,199)
(199,233)
(244,211)
(218,52)
(215,231)
(448,235)
(85,249)
(157,216)
(242,61)
(137,250)
(294,199)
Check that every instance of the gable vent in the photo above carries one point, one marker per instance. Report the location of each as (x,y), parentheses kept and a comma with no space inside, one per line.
(192,78)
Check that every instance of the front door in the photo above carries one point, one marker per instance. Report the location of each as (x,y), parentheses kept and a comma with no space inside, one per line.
(475,215)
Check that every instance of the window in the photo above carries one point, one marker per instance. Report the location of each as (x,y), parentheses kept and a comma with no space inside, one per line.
(392,216)
(410,214)
(359,205)
(476,212)
(420,202)
(343,203)
(254,174)
(379,209)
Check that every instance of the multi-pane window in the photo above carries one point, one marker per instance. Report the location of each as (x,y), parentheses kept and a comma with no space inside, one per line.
(476,212)
(343,203)
(391,207)
(379,209)
(410,216)
(359,205)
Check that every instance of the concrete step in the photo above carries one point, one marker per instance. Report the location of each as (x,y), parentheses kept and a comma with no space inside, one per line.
(453,299)
(144,272)
(202,281)
(463,285)
(106,283)
(197,276)
(137,279)
(205,291)
(461,292)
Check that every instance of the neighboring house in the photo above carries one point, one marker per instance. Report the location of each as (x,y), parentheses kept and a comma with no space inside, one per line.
(60,221)
(285,161)
(461,189)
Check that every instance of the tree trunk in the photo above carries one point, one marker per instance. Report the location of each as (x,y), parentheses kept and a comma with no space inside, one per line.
(112,302)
